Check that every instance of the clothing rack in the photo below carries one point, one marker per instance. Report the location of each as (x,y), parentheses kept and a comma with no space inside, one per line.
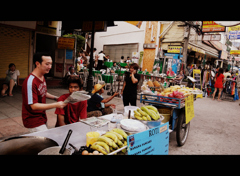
(229,90)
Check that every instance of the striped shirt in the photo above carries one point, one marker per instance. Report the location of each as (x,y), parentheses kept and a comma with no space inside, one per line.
(33,91)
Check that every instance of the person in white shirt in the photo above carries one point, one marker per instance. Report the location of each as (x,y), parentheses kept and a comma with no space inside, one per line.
(122,59)
(11,80)
(226,74)
(101,57)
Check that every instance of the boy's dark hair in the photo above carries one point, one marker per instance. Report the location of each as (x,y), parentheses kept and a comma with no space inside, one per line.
(10,65)
(37,57)
(76,80)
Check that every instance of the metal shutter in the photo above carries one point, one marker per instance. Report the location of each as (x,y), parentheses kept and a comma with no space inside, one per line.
(14,48)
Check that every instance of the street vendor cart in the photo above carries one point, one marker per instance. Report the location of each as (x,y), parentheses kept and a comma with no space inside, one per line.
(177,107)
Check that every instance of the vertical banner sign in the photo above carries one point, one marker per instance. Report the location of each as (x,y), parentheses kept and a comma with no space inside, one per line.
(154,141)
(197,76)
(189,108)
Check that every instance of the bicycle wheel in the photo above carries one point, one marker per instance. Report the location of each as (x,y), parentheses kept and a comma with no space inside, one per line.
(182,129)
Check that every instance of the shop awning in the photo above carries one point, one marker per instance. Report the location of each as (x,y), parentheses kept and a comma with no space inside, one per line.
(174,34)
(208,50)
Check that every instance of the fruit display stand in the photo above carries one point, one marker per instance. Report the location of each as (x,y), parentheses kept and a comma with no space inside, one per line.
(177,106)
(78,137)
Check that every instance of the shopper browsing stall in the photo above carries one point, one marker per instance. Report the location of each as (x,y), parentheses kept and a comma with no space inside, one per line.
(219,81)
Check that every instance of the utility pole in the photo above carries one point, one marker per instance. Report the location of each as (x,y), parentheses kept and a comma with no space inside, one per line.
(185,46)
(90,79)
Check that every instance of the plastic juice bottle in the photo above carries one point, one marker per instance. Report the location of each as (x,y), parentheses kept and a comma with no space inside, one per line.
(91,137)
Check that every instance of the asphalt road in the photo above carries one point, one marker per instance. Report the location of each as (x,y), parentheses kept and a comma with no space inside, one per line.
(213,131)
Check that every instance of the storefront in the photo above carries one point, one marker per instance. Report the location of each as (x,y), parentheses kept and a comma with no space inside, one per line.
(15,47)
(45,40)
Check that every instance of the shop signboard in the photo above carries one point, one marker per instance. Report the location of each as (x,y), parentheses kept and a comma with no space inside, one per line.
(99,26)
(197,77)
(66,43)
(234,34)
(174,49)
(154,141)
(211,26)
(211,37)
(189,108)
(236,52)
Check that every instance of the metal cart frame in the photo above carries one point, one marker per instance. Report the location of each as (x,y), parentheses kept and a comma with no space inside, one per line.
(177,119)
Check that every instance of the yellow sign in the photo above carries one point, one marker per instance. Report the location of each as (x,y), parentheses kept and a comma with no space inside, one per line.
(234,28)
(198,50)
(237,52)
(197,76)
(135,23)
(189,108)
(211,26)
(66,43)
(174,49)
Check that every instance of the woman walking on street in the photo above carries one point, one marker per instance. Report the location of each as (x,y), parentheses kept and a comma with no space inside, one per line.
(219,81)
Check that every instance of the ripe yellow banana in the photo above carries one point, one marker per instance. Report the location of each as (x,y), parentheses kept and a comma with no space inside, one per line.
(136,113)
(120,137)
(119,143)
(144,117)
(150,112)
(148,118)
(112,136)
(153,114)
(114,145)
(152,108)
(120,131)
(100,149)
(141,112)
(124,150)
(107,140)
(138,117)
(103,144)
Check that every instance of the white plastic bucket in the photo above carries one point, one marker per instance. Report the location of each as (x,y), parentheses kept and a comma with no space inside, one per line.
(127,108)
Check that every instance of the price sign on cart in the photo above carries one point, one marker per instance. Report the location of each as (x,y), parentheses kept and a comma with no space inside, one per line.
(189,108)
(154,141)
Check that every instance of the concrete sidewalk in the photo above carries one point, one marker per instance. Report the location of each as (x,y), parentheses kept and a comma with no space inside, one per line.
(11,112)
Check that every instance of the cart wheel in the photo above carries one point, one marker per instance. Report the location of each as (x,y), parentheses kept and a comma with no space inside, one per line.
(182,129)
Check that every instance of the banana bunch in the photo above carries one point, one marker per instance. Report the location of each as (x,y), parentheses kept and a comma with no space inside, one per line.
(147,113)
(110,141)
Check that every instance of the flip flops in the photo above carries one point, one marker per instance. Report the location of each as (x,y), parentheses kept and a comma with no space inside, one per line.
(4,95)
